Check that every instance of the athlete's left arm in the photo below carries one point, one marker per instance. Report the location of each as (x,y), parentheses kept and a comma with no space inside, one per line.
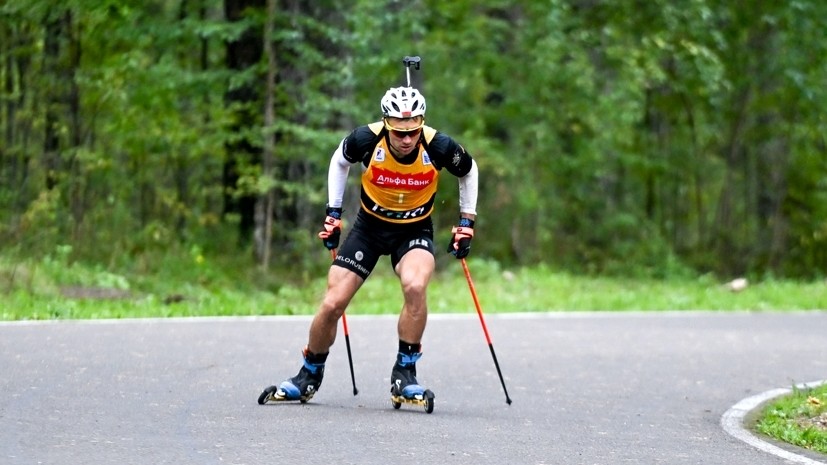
(468,188)
(447,153)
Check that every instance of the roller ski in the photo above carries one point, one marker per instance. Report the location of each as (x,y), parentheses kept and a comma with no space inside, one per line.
(404,387)
(301,387)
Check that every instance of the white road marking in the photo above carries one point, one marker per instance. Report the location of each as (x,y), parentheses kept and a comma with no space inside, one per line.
(733,423)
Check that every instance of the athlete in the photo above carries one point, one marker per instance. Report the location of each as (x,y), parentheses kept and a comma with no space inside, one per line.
(402,159)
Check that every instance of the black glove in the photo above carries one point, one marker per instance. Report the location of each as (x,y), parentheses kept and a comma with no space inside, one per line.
(461,237)
(332,228)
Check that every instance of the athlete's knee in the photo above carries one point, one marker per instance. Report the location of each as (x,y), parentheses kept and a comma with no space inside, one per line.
(415,289)
(332,307)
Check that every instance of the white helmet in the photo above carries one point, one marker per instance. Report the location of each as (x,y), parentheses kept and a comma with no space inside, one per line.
(403,102)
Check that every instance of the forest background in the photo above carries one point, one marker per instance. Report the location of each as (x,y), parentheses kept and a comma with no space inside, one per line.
(189,139)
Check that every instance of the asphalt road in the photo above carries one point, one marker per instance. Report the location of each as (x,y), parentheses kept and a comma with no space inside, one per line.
(597,388)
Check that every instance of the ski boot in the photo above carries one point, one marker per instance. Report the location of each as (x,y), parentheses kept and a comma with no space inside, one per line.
(404,387)
(301,387)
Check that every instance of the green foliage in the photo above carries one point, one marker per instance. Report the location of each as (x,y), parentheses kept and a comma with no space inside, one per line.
(654,139)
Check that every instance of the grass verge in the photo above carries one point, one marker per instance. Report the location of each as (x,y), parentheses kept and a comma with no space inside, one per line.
(799,418)
(53,288)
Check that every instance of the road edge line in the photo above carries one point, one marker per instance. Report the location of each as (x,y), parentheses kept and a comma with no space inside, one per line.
(733,423)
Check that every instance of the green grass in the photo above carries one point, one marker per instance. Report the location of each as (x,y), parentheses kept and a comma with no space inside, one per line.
(191,285)
(799,418)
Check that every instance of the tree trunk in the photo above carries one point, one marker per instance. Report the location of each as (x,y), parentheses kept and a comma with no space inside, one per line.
(55,32)
(725,238)
(264,208)
(7,161)
(242,54)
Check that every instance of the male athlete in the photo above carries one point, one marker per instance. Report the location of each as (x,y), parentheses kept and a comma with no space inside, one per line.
(402,160)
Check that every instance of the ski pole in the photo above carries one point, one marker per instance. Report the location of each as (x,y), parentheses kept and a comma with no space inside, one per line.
(347,341)
(485,328)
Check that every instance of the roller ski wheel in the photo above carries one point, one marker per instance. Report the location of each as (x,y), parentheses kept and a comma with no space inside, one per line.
(274,394)
(424,400)
(301,387)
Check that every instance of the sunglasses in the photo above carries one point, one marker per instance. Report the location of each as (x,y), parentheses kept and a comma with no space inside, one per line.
(408,132)
(402,132)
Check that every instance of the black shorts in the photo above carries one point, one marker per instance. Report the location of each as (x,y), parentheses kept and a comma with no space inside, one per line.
(370,238)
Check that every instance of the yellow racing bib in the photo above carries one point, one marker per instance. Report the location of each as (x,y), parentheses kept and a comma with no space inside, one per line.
(399,192)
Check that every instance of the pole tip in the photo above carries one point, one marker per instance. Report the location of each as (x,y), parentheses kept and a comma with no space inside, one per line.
(508,401)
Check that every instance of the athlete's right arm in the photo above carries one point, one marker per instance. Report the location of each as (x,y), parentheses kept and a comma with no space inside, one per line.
(337,177)
(336,181)
(356,147)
